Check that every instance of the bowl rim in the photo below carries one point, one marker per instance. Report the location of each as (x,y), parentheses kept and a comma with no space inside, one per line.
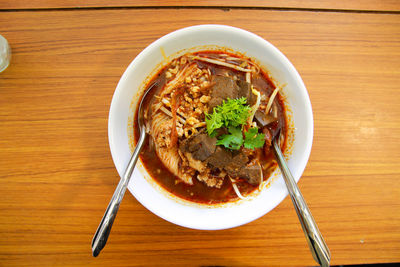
(291,69)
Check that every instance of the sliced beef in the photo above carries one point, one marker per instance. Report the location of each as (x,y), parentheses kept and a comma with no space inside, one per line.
(268,140)
(206,146)
(275,127)
(194,163)
(239,167)
(201,150)
(213,103)
(200,146)
(263,119)
(252,174)
(225,87)
(184,145)
(238,161)
(234,163)
(221,158)
(244,90)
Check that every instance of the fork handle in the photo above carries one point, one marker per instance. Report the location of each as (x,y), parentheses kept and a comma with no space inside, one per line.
(316,242)
(104,229)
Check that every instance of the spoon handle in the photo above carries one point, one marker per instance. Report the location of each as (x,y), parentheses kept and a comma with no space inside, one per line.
(316,242)
(103,231)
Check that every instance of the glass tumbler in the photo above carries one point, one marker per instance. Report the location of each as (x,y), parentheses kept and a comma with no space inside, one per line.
(5,53)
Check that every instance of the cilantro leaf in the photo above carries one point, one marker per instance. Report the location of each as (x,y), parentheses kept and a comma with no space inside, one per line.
(232,112)
(234,140)
(253,139)
(214,121)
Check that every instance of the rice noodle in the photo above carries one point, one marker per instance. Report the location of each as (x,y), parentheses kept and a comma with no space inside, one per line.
(221,63)
(233,58)
(171,85)
(166,102)
(174,108)
(193,129)
(166,111)
(156,107)
(248,77)
(236,189)
(274,110)
(281,140)
(163,53)
(255,106)
(169,156)
(261,177)
(243,62)
(200,124)
(271,99)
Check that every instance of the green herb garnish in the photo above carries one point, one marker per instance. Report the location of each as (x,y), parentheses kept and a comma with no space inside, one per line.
(252,139)
(234,140)
(233,114)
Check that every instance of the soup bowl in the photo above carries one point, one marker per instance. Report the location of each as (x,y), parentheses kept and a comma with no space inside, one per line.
(148,63)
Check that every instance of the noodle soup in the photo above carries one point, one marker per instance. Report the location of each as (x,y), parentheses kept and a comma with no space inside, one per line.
(211,120)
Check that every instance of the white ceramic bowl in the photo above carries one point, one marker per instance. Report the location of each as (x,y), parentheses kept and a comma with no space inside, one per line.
(132,84)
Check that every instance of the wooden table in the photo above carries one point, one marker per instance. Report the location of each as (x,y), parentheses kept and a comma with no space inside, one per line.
(56,171)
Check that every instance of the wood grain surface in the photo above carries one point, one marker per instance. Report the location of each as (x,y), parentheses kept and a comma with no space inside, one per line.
(370,5)
(57,175)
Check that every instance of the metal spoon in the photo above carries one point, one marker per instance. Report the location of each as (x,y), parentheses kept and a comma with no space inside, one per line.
(103,231)
(318,247)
